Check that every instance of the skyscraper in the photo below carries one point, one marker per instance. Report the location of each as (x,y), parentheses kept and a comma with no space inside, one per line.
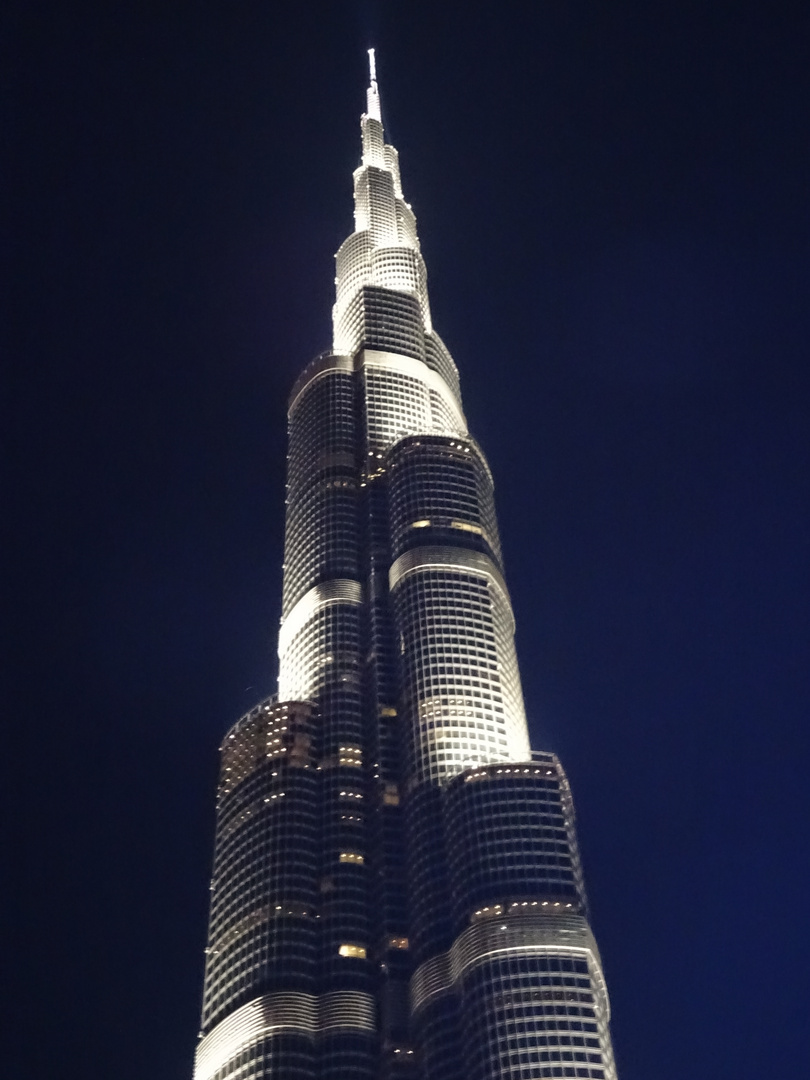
(397,891)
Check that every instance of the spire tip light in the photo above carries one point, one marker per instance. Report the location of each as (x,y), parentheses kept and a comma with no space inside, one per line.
(373,94)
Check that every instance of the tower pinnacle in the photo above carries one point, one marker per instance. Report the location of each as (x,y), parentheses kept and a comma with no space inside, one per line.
(373,94)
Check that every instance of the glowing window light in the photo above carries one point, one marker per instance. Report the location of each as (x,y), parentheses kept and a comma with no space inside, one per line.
(356,951)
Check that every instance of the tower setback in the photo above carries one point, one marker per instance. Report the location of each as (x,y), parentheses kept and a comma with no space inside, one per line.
(397,891)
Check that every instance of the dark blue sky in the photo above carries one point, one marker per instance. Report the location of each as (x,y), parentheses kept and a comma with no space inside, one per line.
(613,205)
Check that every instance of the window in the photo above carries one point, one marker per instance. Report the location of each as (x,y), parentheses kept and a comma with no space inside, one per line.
(356,951)
(351,857)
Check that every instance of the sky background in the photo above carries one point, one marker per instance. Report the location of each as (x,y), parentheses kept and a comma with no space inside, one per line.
(613,206)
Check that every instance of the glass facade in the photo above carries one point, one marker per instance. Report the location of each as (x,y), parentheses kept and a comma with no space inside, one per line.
(397,891)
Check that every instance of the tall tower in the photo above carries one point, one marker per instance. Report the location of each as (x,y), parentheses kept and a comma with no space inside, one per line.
(397,890)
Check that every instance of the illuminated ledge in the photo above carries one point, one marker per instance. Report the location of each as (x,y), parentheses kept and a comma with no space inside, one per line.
(447,558)
(337,591)
(283,1013)
(437,440)
(511,935)
(416,369)
(325,364)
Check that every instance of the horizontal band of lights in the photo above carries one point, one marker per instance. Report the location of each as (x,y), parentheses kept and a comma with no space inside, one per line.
(260,917)
(247,723)
(397,266)
(275,1014)
(447,558)
(519,935)
(339,591)
(464,443)
(492,911)
(416,369)
(327,364)
(465,526)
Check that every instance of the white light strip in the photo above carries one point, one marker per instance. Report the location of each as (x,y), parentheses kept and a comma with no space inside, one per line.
(338,591)
(373,93)
(416,369)
(340,1010)
(320,366)
(447,558)
(268,1015)
(523,935)
(346,1010)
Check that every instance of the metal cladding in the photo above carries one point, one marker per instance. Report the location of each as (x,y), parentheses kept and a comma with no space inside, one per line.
(397,890)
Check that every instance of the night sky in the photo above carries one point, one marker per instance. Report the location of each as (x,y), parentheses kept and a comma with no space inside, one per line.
(613,206)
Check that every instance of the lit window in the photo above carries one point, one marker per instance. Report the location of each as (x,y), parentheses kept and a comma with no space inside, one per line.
(351,857)
(391,795)
(357,951)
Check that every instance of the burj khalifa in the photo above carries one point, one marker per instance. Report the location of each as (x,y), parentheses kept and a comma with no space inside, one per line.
(397,890)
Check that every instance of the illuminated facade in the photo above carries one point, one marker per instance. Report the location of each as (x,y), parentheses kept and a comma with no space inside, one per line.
(397,890)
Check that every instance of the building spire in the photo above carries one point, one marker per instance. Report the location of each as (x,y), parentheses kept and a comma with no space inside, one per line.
(373,94)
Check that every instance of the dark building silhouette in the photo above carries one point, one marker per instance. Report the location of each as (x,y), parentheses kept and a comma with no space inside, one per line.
(397,891)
